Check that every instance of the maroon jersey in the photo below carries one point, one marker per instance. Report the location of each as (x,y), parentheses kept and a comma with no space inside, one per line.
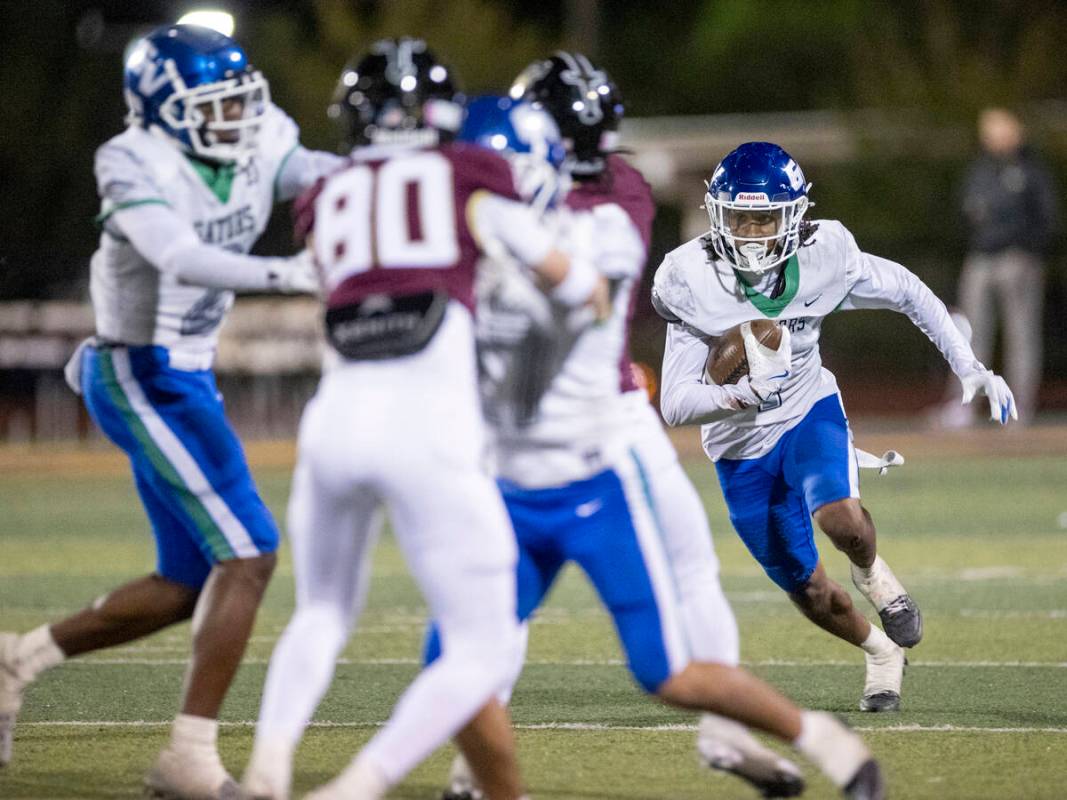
(624,186)
(394,222)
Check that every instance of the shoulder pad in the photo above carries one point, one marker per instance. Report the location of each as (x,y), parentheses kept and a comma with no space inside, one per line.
(662,309)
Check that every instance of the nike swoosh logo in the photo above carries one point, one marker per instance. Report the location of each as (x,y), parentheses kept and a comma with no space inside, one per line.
(813,300)
(783,376)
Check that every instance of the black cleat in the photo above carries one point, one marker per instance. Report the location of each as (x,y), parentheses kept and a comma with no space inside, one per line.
(902,621)
(867,784)
(448,794)
(880,701)
(773,783)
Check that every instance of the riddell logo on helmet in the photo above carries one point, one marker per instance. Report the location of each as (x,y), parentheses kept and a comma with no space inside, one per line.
(751,197)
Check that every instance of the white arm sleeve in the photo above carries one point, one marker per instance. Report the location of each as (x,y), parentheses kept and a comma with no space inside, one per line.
(171,245)
(616,247)
(497,222)
(512,224)
(886,284)
(301,168)
(684,397)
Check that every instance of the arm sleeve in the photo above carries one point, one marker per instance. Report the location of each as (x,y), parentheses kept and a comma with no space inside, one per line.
(301,168)
(684,396)
(512,224)
(171,245)
(1046,207)
(618,249)
(885,284)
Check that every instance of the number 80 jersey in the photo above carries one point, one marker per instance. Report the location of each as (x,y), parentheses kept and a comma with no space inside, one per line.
(400,221)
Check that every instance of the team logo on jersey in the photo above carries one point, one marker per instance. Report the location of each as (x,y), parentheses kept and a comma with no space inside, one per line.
(223,230)
(581,73)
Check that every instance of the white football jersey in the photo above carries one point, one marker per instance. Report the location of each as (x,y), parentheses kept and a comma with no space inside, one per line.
(580,425)
(133,301)
(830,273)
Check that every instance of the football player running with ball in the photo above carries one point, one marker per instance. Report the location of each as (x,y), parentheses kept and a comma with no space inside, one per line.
(588,475)
(396,423)
(186,190)
(779,437)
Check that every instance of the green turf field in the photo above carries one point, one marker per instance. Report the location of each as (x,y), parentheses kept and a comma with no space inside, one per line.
(979,542)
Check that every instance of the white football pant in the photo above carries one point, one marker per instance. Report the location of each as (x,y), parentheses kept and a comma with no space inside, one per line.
(407,434)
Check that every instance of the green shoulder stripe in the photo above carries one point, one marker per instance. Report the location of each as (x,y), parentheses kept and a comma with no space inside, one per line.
(281,168)
(772,307)
(105,215)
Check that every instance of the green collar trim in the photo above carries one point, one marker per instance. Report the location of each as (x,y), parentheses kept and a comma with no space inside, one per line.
(772,307)
(219,179)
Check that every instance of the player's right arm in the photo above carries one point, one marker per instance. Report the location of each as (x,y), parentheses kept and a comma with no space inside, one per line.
(135,209)
(685,396)
(569,280)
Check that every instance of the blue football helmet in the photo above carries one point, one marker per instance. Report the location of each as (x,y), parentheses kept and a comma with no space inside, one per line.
(195,86)
(754,186)
(528,137)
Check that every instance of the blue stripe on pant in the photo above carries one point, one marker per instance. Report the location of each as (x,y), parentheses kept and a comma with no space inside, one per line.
(771,498)
(590,523)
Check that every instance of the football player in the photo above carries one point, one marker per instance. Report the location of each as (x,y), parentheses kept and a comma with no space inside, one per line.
(779,438)
(588,476)
(397,423)
(186,190)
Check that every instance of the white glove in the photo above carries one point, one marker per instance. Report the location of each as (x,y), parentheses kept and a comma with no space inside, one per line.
(297,275)
(767,369)
(1001,401)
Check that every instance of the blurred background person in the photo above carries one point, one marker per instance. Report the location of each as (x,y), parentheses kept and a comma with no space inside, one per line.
(1011,211)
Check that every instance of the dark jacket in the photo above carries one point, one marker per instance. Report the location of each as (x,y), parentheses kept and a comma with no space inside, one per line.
(1010,202)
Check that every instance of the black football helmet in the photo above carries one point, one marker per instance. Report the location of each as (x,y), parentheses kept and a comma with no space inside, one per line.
(397,92)
(582,99)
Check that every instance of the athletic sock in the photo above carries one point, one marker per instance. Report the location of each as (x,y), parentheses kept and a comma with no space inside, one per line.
(35,652)
(837,751)
(877,642)
(191,733)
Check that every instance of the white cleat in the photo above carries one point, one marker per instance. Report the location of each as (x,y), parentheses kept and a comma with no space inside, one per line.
(359,781)
(885,673)
(11,690)
(184,776)
(269,775)
(901,618)
(729,746)
(462,785)
(258,786)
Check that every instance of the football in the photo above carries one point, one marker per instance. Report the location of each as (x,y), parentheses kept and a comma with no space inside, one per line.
(727,362)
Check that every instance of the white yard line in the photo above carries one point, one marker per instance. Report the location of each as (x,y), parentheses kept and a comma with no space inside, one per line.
(540,726)
(607,662)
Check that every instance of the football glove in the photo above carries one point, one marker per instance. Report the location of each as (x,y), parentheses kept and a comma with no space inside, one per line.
(767,369)
(297,275)
(1001,401)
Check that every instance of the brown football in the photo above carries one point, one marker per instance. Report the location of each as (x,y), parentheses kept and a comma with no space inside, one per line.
(727,362)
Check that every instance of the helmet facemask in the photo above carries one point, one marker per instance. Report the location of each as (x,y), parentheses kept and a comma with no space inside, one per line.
(204,114)
(755,254)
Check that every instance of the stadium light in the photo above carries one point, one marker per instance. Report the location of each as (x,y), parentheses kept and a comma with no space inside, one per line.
(221,21)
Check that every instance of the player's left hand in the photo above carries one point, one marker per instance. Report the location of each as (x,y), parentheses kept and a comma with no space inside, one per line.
(1001,400)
